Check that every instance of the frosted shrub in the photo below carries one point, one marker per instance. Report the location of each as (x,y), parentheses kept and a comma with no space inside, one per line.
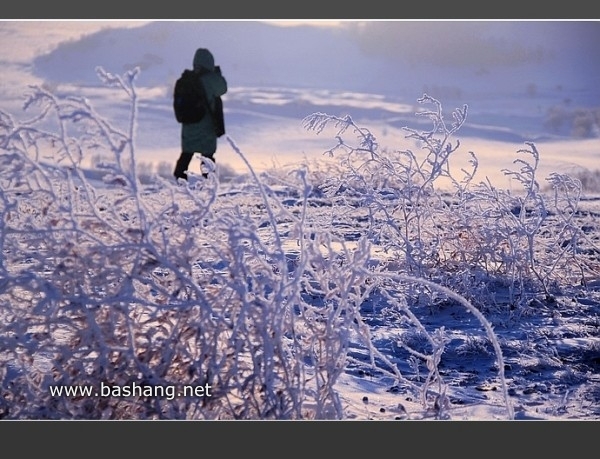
(537,241)
(106,283)
(467,238)
(114,284)
(398,188)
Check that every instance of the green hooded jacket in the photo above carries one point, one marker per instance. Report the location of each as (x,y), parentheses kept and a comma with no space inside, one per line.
(200,137)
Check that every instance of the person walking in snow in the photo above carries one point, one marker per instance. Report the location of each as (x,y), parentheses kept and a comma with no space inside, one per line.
(201,137)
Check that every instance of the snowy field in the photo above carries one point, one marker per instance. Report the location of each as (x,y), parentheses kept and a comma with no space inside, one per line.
(354,256)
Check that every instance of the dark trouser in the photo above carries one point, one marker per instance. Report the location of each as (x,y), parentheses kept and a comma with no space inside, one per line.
(183,164)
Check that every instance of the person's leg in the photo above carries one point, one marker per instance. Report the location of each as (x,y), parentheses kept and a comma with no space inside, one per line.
(211,158)
(182,165)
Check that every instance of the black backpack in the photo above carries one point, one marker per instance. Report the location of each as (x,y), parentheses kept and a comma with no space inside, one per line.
(189,100)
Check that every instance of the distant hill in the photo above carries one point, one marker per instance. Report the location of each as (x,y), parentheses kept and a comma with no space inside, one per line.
(447,59)
(251,53)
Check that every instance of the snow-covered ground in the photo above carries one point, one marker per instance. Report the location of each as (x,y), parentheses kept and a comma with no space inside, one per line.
(374,302)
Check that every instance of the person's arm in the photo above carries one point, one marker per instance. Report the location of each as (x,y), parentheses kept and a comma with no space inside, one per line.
(218,84)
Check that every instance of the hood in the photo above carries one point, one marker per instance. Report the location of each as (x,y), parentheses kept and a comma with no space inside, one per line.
(204,59)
